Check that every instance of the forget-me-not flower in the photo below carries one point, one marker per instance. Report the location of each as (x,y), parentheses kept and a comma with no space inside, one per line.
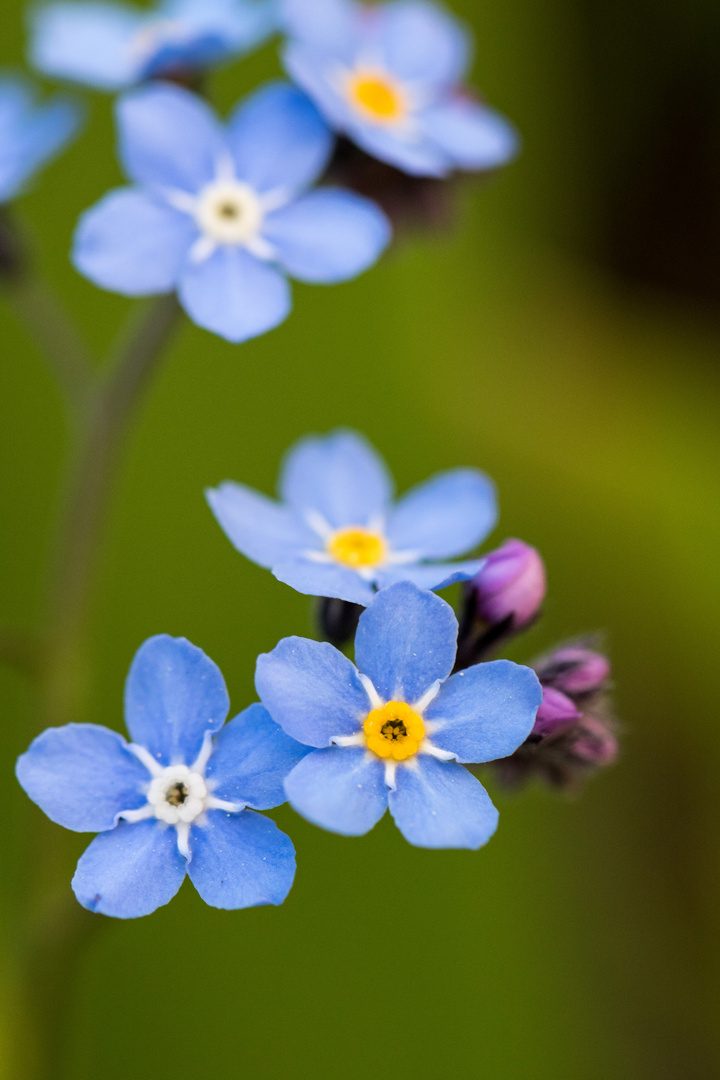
(394,730)
(222,215)
(30,133)
(113,45)
(179,799)
(337,532)
(388,77)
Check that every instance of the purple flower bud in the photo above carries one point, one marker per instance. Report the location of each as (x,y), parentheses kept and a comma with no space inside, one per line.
(510,584)
(575,670)
(594,743)
(555,712)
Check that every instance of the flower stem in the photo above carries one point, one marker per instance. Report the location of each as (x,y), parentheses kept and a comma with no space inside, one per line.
(47,322)
(92,469)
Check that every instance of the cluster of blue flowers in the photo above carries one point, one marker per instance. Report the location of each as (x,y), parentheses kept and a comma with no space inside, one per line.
(222,215)
(342,742)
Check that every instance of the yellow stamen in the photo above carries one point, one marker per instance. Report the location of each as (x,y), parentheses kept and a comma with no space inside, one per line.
(357,547)
(377,96)
(394,731)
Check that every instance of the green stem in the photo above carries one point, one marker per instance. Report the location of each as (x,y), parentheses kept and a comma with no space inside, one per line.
(91,474)
(45,319)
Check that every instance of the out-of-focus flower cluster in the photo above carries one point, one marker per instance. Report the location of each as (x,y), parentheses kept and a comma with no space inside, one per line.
(223,215)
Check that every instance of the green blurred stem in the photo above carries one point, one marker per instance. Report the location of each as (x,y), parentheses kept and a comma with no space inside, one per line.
(92,470)
(45,318)
(57,340)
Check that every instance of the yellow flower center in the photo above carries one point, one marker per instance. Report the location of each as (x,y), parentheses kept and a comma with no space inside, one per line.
(357,547)
(394,731)
(377,97)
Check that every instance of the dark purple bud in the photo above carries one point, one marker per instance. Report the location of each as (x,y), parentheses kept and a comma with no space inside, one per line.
(556,712)
(575,670)
(510,584)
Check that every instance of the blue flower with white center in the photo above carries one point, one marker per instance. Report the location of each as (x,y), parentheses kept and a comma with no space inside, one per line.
(395,730)
(112,45)
(179,799)
(337,533)
(388,77)
(221,215)
(30,133)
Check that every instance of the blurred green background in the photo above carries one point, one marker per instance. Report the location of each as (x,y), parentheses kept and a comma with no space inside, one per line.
(562,334)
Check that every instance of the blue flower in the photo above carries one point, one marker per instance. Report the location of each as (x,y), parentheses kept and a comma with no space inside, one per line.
(30,134)
(112,46)
(337,533)
(394,730)
(221,215)
(175,800)
(388,76)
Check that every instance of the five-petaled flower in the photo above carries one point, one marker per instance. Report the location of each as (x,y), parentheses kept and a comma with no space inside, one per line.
(395,729)
(30,133)
(223,215)
(113,45)
(388,77)
(336,532)
(175,800)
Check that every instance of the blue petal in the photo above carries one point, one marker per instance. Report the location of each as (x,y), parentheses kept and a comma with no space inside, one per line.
(309,69)
(328,235)
(279,140)
(311,690)
(446,516)
(30,134)
(82,776)
(439,804)
(87,42)
(473,136)
(251,757)
(339,476)
(197,33)
(235,295)
(260,528)
(168,137)
(420,42)
(341,789)
(405,641)
(330,25)
(325,579)
(174,696)
(130,871)
(430,576)
(131,244)
(486,711)
(418,156)
(240,860)
(241,23)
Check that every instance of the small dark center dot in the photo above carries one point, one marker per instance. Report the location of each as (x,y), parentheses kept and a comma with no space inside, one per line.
(229,210)
(177,794)
(394,730)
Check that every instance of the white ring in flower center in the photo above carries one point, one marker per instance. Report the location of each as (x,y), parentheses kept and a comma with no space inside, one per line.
(177,794)
(229,211)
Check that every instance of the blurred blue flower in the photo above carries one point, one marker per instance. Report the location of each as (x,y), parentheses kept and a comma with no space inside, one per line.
(222,214)
(175,800)
(388,76)
(114,45)
(337,533)
(30,133)
(393,731)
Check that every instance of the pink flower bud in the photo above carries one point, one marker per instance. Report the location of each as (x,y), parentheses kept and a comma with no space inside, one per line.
(575,670)
(594,744)
(555,712)
(511,583)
